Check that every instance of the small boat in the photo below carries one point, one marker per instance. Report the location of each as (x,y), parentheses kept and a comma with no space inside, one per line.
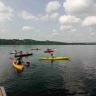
(35,49)
(49,50)
(18,66)
(2,91)
(13,53)
(55,58)
(22,55)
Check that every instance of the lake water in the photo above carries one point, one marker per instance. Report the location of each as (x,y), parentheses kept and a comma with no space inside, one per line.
(76,77)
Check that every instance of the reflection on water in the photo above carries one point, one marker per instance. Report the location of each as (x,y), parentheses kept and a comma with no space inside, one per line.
(76,77)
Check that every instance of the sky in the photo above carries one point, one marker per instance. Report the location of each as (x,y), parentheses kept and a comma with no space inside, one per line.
(54,20)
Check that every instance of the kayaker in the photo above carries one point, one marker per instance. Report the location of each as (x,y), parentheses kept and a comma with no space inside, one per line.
(15,51)
(20,52)
(19,61)
(52,55)
(27,53)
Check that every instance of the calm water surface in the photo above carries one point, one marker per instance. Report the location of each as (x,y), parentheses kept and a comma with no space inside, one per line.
(76,77)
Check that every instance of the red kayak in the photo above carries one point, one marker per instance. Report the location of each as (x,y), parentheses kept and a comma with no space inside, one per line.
(35,49)
(49,50)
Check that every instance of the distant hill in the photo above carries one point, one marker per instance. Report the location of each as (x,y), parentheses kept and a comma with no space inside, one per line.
(35,42)
(28,42)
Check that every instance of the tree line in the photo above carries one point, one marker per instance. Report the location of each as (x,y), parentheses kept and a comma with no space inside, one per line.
(28,42)
(35,42)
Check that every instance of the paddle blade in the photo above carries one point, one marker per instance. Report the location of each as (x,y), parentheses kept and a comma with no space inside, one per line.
(11,58)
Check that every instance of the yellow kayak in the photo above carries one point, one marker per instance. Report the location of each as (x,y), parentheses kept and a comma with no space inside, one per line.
(19,67)
(55,58)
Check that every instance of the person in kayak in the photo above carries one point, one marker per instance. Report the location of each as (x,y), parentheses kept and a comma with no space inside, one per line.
(27,53)
(52,55)
(15,51)
(19,61)
(21,52)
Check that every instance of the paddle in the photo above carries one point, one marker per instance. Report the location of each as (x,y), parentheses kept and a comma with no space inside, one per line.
(14,59)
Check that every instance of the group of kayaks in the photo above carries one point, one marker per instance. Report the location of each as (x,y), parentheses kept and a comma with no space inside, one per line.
(21,66)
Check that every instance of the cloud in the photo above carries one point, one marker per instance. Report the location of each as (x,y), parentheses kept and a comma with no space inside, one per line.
(52,6)
(54,15)
(80,7)
(45,17)
(37,30)
(3,31)
(73,30)
(55,32)
(27,28)
(68,19)
(27,16)
(89,21)
(5,12)
(65,28)
(93,33)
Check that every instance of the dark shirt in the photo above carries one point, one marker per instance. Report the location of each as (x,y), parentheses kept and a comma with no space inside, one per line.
(19,60)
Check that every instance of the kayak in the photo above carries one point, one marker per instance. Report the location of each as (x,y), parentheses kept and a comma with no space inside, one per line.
(55,58)
(19,67)
(13,53)
(49,50)
(21,55)
(35,49)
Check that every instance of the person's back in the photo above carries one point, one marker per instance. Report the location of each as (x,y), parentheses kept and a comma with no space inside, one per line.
(19,61)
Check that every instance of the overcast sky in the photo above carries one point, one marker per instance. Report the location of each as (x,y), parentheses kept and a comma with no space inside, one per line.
(55,20)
